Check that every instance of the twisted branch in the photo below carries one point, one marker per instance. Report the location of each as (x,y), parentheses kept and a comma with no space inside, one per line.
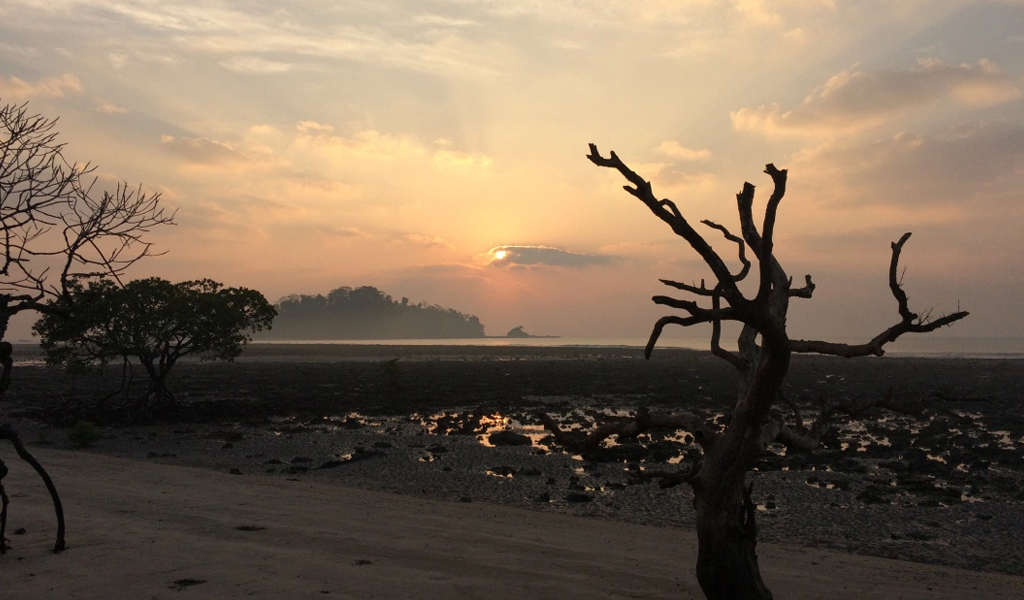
(910,322)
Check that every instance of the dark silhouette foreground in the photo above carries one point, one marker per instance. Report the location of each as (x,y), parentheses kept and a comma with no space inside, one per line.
(727,567)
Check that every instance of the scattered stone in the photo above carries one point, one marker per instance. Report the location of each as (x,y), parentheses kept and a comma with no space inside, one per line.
(873,494)
(235,472)
(227,446)
(578,497)
(181,584)
(301,459)
(502,471)
(508,438)
(543,498)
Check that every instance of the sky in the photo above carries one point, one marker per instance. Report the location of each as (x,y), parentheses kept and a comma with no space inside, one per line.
(436,149)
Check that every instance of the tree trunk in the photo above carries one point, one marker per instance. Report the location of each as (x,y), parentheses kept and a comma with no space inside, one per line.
(727,566)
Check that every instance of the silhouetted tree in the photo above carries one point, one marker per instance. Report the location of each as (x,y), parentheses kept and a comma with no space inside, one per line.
(154,321)
(727,566)
(55,229)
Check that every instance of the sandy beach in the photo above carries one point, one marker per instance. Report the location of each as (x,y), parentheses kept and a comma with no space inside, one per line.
(141,530)
(369,473)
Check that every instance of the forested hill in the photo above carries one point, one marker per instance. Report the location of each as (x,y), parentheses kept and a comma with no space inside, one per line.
(366,313)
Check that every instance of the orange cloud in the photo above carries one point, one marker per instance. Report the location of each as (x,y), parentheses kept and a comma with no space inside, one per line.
(852,101)
(17,89)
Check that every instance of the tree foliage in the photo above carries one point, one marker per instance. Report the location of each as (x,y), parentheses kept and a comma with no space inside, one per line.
(152,320)
(368,313)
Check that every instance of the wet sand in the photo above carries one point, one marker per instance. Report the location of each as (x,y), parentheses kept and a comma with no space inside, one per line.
(159,531)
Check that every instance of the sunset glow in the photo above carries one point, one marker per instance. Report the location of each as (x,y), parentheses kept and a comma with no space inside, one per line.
(311,145)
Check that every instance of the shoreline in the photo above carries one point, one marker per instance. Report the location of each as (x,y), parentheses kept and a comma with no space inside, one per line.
(156,530)
(417,426)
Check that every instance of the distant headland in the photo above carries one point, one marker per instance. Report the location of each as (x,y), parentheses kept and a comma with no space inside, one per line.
(366,313)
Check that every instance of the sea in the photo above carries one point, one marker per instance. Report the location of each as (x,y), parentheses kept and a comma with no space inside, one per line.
(910,345)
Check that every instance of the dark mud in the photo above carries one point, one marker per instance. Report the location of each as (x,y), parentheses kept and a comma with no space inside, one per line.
(939,481)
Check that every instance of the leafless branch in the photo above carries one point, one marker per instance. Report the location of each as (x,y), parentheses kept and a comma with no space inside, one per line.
(49,211)
(693,289)
(805,292)
(667,212)
(739,242)
(909,321)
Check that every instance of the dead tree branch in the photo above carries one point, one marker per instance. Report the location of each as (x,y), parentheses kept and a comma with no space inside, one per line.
(7,433)
(909,322)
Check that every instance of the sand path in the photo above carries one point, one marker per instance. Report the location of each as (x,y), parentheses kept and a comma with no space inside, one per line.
(135,528)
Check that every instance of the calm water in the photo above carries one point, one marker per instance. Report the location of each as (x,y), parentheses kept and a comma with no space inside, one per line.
(910,345)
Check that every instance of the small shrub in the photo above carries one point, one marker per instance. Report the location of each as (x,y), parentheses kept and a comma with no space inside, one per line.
(84,433)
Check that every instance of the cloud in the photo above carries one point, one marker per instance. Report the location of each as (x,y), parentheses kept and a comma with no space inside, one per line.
(256,65)
(852,101)
(202,151)
(16,89)
(967,165)
(438,20)
(450,158)
(672,149)
(427,241)
(109,108)
(541,256)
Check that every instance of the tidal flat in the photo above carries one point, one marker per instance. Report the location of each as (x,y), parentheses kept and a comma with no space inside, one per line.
(941,481)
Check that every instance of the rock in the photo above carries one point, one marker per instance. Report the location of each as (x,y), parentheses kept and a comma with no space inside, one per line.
(578,497)
(502,471)
(508,438)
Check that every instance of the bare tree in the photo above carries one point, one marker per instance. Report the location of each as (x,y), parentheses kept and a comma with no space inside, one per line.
(55,230)
(55,227)
(727,566)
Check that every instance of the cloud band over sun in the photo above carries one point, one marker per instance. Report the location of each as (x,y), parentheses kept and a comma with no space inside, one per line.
(542,256)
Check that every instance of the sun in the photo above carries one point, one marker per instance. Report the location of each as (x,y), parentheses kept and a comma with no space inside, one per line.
(500,254)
